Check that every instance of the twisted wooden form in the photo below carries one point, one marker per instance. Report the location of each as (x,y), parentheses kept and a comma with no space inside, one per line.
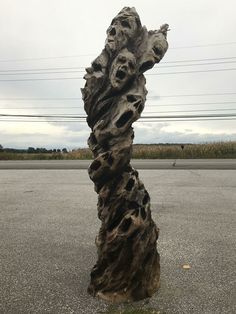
(114,95)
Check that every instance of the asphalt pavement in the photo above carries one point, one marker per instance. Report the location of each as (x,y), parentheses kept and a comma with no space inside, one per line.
(136,163)
(48,222)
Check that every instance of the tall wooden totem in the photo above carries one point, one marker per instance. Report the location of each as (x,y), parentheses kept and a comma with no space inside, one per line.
(114,95)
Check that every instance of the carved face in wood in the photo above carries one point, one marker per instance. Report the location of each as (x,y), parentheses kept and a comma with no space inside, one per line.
(123,69)
(156,49)
(123,27)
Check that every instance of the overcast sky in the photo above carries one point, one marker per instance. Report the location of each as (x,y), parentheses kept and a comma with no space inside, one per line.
(47,34)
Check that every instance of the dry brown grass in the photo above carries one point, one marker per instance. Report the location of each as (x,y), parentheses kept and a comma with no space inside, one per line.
(208,150)
(142,151)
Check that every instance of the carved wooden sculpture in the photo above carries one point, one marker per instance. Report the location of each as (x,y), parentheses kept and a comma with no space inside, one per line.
(114,96)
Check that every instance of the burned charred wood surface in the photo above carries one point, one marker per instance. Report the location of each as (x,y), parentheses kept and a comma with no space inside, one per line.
(114,96)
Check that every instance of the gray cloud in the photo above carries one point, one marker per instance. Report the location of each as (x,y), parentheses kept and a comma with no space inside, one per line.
(158,135)
(36,29)
(78,137)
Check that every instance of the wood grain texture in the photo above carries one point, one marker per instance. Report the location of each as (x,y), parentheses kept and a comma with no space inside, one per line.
(114,95)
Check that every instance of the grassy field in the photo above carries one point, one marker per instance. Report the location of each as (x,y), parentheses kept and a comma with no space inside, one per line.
(210,150)
(141,151)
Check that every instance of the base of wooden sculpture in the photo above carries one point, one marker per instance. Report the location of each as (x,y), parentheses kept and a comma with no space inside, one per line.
(143,285)
(125,296)
(121,297)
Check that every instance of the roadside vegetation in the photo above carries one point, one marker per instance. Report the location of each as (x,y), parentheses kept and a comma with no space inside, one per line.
(189,151)
(140,151)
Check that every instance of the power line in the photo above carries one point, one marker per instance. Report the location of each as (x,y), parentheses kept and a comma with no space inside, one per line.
(46,69)
(39,98)
(146,112)
(197,71)
(149,97)
(190,95)
(186,120)
(43,116)
(194,104)
(142,117)
(145,121)
(206,45)
(83,68)
(198,60)
(67,107)
(80,78)
(47,58)
(221,115)
(88,55)
(43,121)
(198,110)
(44,79)
(51,72)
(194,64)
(146,107)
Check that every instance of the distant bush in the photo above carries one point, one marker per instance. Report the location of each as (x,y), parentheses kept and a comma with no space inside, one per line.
(82,153)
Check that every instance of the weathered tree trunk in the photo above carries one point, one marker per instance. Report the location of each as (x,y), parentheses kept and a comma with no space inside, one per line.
(114,95)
